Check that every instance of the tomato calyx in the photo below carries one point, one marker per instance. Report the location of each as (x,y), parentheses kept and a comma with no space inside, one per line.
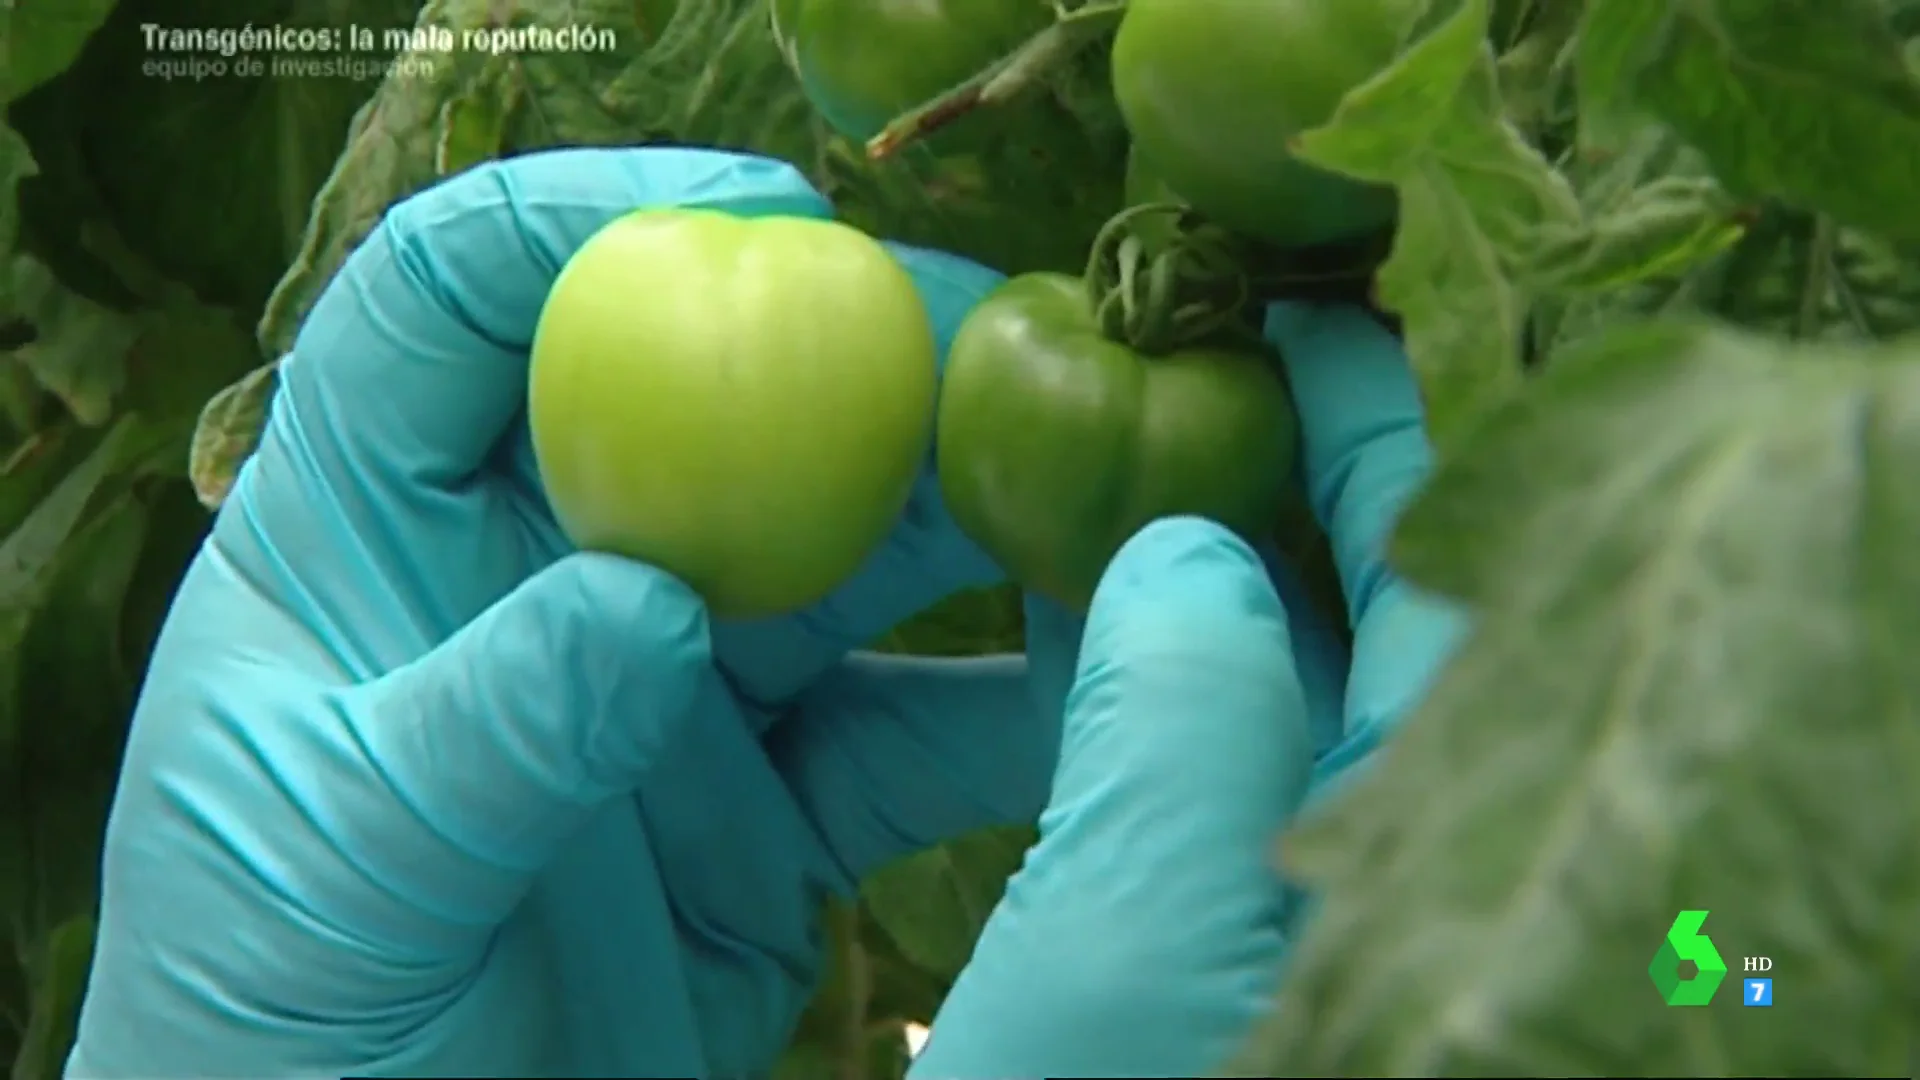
(1188,286)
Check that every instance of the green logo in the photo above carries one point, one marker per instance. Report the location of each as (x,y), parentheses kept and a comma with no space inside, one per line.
(1686,942)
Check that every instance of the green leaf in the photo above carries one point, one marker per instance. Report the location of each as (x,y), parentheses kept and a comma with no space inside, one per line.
(1615,41)
(472,126)
(1689,686)
(1473,198)
(842,1035)
(1640,251)
(900,991)
(390,152)
(934,904)
(32,549)
(42,37)
(1536,73)
(63,965)
(883,1056)
(211,179)
(228,433)
(1809,102)
(978,622)
(1806,277)
(1662,230)
(74,664)
(68,684)
(16,166)
(79,349)
(177,528)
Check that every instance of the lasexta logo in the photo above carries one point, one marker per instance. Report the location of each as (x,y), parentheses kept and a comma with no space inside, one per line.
(1685,942)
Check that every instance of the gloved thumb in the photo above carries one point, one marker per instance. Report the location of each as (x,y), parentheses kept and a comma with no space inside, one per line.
(482,757)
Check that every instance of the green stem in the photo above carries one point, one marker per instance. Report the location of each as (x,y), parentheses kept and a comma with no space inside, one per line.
(1004,79)
(843,931)
(1105,266)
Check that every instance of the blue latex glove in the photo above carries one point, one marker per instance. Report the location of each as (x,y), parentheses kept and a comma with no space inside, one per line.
(414,790)
(1149,929)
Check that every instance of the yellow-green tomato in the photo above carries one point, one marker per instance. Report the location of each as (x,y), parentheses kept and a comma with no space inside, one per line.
(742,402)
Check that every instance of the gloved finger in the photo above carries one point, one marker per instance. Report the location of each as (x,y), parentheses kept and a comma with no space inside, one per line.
(892,754)
(888,755)
(1143,936)
(1363,434)
(1320,655)
(1366,455)
(413,364)
(438,791)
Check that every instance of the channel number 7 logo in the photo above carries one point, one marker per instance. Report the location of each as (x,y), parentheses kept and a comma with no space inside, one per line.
(1686,942)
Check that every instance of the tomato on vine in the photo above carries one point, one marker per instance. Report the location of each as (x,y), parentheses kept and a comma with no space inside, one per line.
(1056,443)
(1213,91)
(864,62)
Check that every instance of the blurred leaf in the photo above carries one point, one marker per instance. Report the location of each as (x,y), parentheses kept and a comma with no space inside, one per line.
(16,165)
(1807,277)
(472,128)
(1810,102)
(228,433)
(840,1036)
(186,354)
(30,552)
(1473,197)
(902,992)
(73,655)
(177,526)
(71,693)
(42,37)
(934,904)
(978,622)
(1689,686)
(79,348)
(63,965)
(1536,72)
(884,1058)
(239,159)
(390,152)
(1615,41)
(1661,230)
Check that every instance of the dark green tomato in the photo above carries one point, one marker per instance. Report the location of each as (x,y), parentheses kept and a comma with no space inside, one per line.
(864,62)
(1214,90)
(1056,445)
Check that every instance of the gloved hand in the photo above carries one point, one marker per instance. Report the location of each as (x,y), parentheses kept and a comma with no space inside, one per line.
(414,790)
(1149,929)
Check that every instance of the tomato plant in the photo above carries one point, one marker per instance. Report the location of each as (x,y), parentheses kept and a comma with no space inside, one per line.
(1213,91)
(1057,444)
(864,62)
(1682,547)
(742,402)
